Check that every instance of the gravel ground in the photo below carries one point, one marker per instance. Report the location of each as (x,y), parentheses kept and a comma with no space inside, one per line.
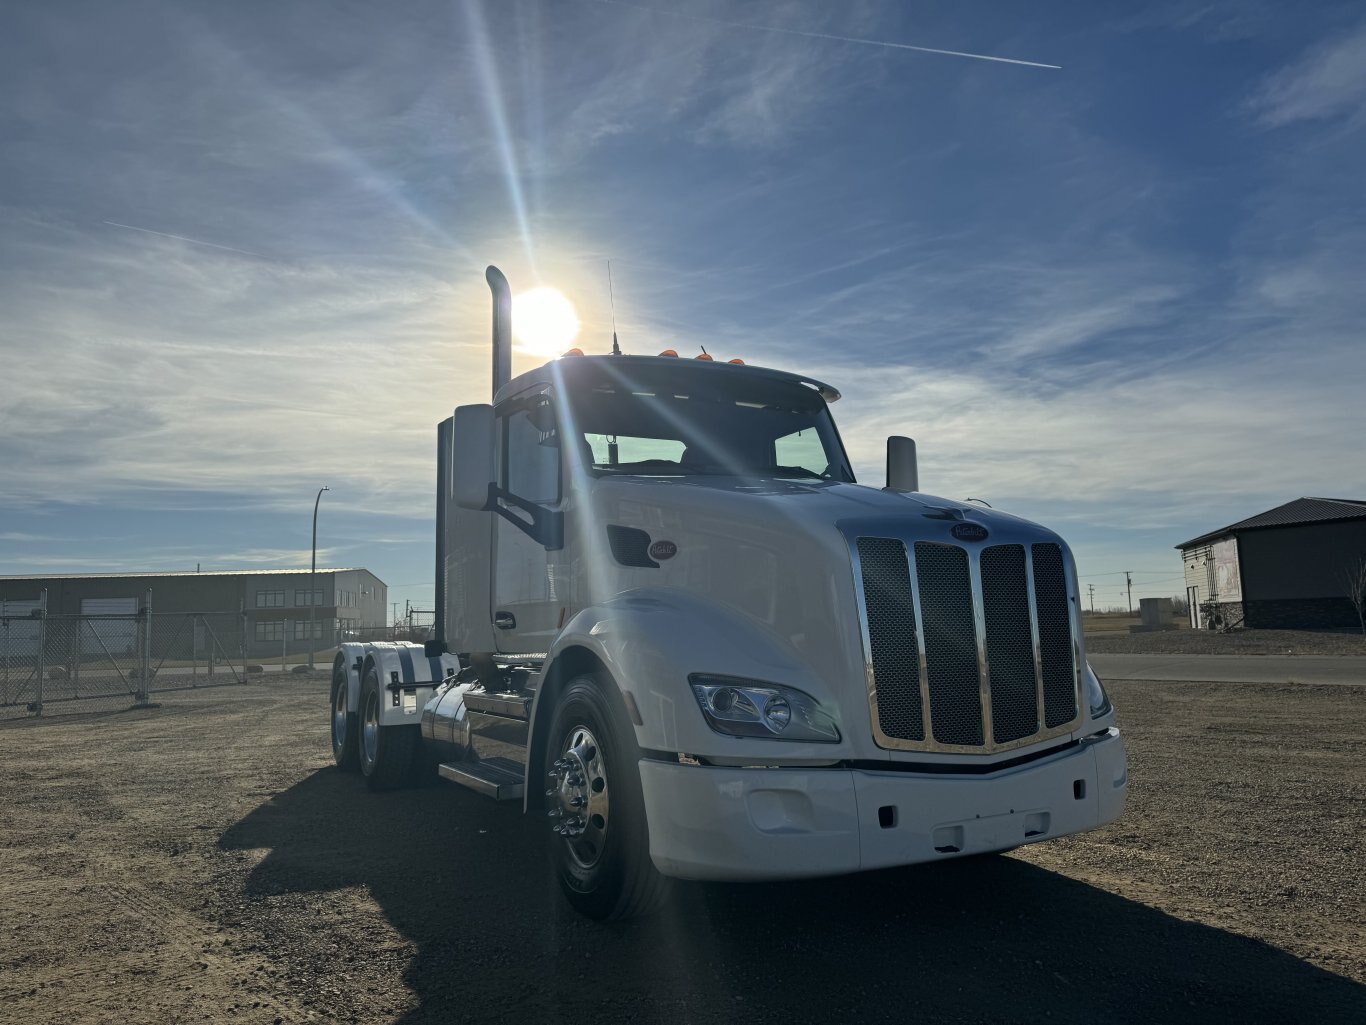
(202,862)
(1239,642)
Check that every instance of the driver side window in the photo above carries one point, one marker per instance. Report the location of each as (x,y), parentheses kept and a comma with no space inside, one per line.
(530,448)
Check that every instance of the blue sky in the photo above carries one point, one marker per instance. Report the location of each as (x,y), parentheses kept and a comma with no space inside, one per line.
(1124,298)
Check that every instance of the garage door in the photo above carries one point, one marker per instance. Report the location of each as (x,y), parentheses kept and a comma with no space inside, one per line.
(18,630)
(120,635)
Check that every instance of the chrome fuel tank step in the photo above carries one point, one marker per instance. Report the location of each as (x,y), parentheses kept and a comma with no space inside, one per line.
(498,778)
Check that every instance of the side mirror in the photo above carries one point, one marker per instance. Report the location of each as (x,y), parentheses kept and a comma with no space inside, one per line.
(902,471)
(472,456)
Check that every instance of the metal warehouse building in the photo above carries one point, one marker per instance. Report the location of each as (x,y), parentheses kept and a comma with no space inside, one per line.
(1281,569)
(274,605)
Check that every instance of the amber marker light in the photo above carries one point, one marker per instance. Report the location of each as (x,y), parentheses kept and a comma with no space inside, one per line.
(669,352)
(737,361)
(704,356)
(576,351)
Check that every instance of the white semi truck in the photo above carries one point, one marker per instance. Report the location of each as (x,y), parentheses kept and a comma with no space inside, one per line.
(671,622)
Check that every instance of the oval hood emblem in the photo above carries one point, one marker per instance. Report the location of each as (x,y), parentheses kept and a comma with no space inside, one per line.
(663,550)
(969,532)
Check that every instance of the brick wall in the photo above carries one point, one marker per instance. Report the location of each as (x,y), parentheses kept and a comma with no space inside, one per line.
(1300,613)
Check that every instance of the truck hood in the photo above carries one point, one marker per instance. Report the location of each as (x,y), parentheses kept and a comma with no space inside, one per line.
(773,555)
(812,503)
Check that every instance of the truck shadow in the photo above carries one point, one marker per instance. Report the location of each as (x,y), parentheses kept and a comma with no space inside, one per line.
(467,883)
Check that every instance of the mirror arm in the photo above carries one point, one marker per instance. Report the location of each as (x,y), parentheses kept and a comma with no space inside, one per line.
(546,527)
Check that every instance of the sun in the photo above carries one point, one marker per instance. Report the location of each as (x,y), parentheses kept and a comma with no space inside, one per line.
(544,322)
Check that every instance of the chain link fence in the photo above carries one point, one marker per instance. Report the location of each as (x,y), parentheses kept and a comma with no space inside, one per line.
(52,664)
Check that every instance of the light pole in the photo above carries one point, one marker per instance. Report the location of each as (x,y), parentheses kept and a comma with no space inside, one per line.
(313,577)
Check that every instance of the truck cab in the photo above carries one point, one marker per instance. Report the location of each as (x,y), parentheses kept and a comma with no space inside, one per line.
(671,621)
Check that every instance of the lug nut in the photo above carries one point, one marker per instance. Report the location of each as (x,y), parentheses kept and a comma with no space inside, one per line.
(577,802)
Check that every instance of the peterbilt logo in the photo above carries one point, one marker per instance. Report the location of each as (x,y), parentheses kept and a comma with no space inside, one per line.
(969,532)
(663,550)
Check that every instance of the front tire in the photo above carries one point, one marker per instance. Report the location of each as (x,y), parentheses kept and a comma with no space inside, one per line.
(602,843)
(345,723)
(387,753)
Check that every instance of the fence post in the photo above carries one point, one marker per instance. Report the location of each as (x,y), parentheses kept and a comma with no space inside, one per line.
(73,661)
(42,651)
(145,654)
(4,619)
(242,634)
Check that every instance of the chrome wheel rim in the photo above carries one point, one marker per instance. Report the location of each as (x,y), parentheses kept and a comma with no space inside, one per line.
(339,716)
(580,798)
(369,729)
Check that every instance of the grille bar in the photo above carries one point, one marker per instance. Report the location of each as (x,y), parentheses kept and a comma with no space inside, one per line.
(967,649)
(1009,644)
(1055,636)
(951,661)
(891,637)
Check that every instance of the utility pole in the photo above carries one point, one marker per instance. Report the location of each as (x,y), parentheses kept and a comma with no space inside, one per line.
(1129,590)
(1092,589)
(312,578)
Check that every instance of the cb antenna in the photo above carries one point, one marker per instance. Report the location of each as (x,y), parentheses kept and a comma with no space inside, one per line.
(616,349)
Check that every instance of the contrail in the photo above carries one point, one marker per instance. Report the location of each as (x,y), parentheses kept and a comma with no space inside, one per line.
(182,238)
(826,35)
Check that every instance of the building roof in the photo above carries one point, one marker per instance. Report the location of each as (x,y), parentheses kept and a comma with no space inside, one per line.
(177,573)
(1301,510)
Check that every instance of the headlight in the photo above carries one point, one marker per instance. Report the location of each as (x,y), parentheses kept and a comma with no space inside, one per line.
(749,708)
(1096,697)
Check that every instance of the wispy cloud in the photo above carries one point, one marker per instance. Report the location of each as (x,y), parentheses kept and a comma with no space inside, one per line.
(1327,81)
(282,558)
(750,26)
(181,238)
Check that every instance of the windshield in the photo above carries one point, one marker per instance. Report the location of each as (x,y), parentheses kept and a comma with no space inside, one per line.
(687,419)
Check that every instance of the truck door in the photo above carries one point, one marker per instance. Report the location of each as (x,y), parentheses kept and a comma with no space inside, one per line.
(528,530)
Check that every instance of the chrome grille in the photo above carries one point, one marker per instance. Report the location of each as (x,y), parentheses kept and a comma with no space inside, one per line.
(968,649)
(1055,636)
(951,667)
(891,632)
(1010,643)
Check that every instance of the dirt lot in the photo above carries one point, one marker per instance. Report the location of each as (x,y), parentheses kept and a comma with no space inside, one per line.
(202,862)
(1239,642)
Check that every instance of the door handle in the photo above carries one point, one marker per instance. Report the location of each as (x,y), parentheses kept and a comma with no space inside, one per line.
(504,620)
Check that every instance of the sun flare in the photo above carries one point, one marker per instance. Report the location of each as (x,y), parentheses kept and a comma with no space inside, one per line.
(544,322)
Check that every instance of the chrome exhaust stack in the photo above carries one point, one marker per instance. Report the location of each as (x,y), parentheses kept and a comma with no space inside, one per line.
(502,328)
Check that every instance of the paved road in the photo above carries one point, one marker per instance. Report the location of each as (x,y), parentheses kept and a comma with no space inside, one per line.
(1338,669)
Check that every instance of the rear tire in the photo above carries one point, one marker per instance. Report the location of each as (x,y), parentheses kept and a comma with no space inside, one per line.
(604,867)
(345,724)
(387,753)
